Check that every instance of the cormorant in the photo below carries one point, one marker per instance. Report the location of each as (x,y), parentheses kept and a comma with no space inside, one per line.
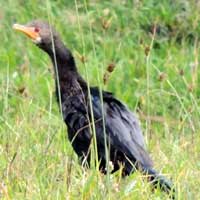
(123,135)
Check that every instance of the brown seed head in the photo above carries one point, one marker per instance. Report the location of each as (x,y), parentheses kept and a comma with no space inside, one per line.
(162,76)
(181,72)
(111,67)
(147,50)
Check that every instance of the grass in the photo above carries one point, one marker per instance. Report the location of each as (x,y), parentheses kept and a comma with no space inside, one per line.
(36,159)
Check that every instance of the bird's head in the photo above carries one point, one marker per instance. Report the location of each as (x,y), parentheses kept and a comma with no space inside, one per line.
(40,32)
(46,38)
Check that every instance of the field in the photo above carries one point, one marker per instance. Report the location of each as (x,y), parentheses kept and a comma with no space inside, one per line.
(154,48)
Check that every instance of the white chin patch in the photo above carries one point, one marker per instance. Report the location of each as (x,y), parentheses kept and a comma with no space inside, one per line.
(37,40)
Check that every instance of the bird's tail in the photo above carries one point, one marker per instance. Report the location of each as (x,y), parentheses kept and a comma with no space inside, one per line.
(160,181)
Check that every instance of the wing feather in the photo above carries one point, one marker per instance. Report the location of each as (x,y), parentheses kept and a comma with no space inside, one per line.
(123,129)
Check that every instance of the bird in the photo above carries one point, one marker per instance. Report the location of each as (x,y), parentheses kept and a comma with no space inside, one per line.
(94,115)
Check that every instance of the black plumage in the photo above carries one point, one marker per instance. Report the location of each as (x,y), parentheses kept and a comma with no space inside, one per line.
(124,139)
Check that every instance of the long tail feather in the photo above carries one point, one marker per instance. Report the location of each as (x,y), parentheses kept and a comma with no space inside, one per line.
(161,181)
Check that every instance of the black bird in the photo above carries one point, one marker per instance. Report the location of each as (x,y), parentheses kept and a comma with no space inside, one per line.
(119,133)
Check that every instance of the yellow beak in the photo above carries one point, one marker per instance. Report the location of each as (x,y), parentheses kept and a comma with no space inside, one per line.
(29,31)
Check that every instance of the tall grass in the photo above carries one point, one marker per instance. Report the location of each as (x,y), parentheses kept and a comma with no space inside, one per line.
(36,159)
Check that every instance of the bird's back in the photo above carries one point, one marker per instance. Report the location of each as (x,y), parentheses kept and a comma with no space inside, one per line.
(121,127)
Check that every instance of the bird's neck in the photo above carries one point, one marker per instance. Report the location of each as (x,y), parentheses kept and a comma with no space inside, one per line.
(68,80)
(62,58)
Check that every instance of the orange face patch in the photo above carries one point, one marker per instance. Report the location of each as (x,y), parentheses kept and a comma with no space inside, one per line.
(31,32)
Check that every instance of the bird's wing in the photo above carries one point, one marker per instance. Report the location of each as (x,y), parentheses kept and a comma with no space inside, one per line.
(122,128)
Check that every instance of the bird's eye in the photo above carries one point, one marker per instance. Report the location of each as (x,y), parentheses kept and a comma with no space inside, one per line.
(36,29)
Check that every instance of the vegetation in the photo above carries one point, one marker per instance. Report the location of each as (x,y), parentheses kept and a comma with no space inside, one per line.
(154,49)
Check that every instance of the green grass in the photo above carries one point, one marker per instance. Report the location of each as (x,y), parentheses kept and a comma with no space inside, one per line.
(36,159)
